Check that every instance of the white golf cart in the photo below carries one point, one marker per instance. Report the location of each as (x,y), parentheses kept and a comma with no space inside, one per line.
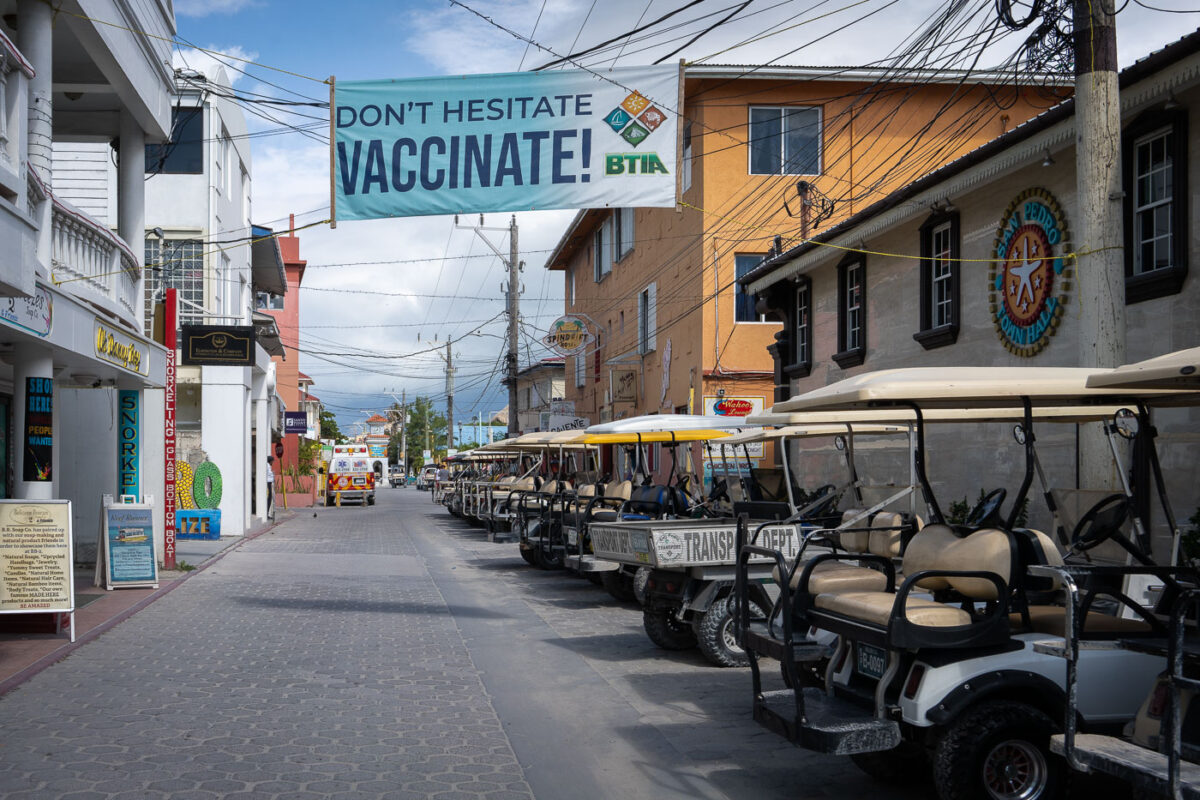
(940,657)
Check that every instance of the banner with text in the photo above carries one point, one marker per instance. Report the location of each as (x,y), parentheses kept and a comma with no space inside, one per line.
(506,142)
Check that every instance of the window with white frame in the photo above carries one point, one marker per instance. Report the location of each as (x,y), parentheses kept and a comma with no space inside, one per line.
(1157,218)
(802,326)
(1152,202)
(785,140)
(175,264)
(852,312)
(647,318)
(266,300)
(743,310)
(685,177)
(602,250)
(622,232)
(939,274)
(580,369)
(941,299)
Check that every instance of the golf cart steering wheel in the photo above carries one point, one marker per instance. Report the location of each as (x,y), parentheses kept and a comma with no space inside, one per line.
(719,491)
(824,497)
(1102,522)
(986,508)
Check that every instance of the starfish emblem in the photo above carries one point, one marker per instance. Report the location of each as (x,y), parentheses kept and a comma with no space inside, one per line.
(1025,270)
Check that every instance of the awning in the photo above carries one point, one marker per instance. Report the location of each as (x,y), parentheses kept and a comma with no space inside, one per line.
(266,330)
(266,262)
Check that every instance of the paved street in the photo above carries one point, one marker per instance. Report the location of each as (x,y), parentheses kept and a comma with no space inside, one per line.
(391,652)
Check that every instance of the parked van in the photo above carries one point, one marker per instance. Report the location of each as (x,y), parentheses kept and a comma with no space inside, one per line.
(350,475)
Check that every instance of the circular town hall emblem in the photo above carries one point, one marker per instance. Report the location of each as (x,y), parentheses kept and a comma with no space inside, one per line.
(1030,278)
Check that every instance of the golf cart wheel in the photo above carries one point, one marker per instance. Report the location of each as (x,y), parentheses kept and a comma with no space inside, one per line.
(667,630)
(619,585)
(530,556)
(716,637)
(640,579)
(548,557)
(905,765)
(998,750)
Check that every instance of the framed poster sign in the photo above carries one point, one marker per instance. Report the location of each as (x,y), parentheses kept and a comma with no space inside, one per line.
(127,548)
(36,557)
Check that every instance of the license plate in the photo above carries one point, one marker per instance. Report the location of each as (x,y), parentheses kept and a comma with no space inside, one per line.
(572,537)
(871,660)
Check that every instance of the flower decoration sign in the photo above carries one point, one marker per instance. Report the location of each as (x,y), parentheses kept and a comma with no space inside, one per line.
(1030,278)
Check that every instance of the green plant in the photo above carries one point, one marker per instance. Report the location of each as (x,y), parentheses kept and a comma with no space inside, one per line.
(184,566)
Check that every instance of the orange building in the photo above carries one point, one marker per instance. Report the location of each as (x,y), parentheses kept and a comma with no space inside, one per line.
(291,384)
(769,157)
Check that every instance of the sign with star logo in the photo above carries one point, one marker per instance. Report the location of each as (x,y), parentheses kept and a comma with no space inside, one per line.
(1030,279)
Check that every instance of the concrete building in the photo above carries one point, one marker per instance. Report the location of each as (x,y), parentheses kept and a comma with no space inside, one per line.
(769,156)
(71,333)
(980,273)
(541,388)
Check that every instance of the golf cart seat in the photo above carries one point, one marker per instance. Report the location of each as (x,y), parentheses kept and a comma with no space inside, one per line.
(541,499)
(986,566)
(1052,621)
(652,502)
(883,538)
(608,507)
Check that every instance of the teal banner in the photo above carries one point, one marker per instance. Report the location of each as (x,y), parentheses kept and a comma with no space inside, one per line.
(128,443)
(506,142)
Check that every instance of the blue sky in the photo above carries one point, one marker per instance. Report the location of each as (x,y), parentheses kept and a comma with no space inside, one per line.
(366,39)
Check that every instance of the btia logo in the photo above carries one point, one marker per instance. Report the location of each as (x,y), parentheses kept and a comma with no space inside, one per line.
(732,407)
(635,119)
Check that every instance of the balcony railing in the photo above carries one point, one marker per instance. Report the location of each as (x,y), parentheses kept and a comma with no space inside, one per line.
(90,261)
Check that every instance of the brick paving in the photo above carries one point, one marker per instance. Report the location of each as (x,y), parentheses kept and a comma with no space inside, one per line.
(391,652)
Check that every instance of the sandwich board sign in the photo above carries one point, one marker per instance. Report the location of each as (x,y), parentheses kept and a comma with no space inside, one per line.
(36,558)
(126,552)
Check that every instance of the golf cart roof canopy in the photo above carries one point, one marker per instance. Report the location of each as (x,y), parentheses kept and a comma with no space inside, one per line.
(651,437)
(804,431)
(544,440)
(902,414)
(1178,370)
(963,387)
(656,423)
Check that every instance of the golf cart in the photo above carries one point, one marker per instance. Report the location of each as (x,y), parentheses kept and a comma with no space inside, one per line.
(940,653)
(1159,755)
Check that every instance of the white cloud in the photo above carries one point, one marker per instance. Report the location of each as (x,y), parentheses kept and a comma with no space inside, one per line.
(232,59)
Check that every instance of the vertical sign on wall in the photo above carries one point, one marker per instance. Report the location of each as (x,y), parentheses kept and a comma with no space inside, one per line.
(170,309)
(39,428)
(129,445)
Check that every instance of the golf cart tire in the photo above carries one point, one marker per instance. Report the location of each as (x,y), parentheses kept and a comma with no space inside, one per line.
(530,556)
(548,557)
(667,630)
(640,579)
(619,585)
(988,730)
(906,765)
(715,635)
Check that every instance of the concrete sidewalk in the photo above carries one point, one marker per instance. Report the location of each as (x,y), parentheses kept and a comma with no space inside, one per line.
(23,655)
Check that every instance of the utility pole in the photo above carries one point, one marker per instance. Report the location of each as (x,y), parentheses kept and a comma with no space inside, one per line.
(1100,270)
(514,308)
(513,318)
(449,398)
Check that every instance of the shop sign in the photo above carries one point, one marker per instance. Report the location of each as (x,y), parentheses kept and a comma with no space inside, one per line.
(562,422)
(624,385)
(564,407)
(1030,279)
(121,349)
(128,545)
(33,314)
(39,429)
(506,142)
(568,335)
(218,345)
(295,422)
(36,558)
(735,406)
(377,450)
(128,442)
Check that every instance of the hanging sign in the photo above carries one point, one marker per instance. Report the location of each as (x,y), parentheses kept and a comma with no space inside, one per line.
(624,384)
(39,429)
(127,546)
(568,335)
(295,422)
(122,349)
(506,142)
(218,345)
(128,441)
(729,406)
(1030,279)
(34,314)
(36,557)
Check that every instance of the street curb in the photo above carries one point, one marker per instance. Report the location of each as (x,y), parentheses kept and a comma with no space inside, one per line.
(8,684)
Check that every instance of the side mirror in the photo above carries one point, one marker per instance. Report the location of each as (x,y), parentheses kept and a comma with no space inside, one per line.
(1019,434)
(840,442)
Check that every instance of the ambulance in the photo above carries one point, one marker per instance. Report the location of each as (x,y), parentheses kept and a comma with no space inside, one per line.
(350,475)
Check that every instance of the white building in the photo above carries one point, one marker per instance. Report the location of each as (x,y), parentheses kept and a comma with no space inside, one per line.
(73,323)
